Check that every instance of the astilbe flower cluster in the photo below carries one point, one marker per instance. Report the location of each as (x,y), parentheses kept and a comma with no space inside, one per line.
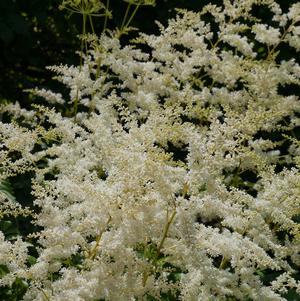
(168,180)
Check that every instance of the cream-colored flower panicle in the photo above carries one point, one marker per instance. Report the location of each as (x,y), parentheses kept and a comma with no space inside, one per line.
(177,176)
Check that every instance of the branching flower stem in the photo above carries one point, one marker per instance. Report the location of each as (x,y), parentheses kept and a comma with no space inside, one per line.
(106,16)
(160,246)
(93,252)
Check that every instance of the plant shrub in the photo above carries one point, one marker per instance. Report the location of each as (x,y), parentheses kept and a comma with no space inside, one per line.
(177,175)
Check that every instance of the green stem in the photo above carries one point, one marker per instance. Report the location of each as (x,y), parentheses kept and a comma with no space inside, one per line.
(45,295)
(125,16)
(75,108)
(271,52)
(166,230)
(83,43)
(84,32)
(82,40)
(91,23)
(93,252)
(223,263)
(96,77)
(165,234)
(106,16)
(132,15)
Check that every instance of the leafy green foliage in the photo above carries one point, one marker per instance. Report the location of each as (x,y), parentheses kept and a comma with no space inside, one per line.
(160,263)
(6,188)
(15,292)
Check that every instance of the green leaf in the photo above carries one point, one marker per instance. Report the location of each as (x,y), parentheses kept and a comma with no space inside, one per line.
(31,260)
(6,188)
(5,225)
(3,270)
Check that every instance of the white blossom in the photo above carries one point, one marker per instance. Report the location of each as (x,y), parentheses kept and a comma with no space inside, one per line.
(172,170)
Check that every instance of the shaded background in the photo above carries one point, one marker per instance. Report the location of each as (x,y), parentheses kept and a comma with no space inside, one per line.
(35,34)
